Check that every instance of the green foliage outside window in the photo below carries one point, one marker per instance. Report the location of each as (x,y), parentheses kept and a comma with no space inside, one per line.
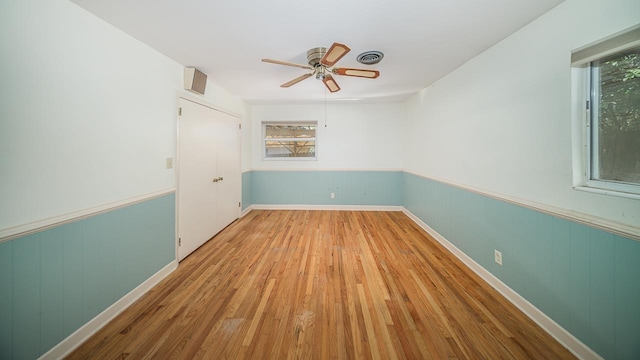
(618,118)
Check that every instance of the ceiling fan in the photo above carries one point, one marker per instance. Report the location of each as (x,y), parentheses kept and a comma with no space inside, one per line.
(321,62)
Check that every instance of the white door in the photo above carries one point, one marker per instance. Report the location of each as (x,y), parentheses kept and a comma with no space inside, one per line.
(209,179)
(229,189)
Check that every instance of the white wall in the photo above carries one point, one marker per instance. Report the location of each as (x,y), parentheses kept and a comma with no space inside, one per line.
(357,136)
(502,122)
(87,112)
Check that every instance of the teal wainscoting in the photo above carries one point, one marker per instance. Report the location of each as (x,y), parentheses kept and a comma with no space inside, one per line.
(585,279)
(55,281)
(371,188)
(246,189)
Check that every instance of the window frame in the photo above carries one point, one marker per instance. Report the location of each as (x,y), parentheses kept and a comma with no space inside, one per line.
(586,103)
(289,123)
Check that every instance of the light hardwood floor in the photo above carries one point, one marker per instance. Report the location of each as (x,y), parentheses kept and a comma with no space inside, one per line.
(324,285)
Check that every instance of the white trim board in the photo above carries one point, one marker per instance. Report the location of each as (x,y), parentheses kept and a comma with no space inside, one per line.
(246,211)
(66,346)
(323,207)
(287,169)
(48,223)
(575,346)
(611,226)
(202,101)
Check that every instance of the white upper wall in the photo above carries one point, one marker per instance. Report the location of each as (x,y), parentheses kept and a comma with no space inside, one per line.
(503,121)
(357,136)
(88,113)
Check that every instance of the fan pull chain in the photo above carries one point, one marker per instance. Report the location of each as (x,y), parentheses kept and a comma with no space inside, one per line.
(325,107)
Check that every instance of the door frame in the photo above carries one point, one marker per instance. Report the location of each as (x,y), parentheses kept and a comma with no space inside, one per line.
(189,97)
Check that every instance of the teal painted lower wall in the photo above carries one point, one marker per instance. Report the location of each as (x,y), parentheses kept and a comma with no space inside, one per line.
(247,179)
(585,279)
(55,281)
(379,188)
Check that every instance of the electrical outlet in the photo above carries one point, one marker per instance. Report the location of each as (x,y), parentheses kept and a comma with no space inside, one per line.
(333,195)
(497,255)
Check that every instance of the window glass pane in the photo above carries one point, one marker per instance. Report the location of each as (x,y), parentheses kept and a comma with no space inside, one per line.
(290,131)
(288,149)
(615,127)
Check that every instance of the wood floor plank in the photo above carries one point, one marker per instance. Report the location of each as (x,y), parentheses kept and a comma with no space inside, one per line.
(325,285)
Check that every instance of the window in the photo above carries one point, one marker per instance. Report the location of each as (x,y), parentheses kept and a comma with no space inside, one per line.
(290,140)
(612,118)
(615,118)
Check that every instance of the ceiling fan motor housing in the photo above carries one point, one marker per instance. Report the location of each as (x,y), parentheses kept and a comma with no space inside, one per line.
(315,55)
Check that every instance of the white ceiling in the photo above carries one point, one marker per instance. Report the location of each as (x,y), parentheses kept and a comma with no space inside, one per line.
(422,40)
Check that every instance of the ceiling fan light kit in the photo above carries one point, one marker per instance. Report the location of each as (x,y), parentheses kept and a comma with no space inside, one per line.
(321,62)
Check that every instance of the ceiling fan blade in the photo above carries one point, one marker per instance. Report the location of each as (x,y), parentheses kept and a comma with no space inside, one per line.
(278,62)
(335,53)
(371,74)
(296,80)
(330,83)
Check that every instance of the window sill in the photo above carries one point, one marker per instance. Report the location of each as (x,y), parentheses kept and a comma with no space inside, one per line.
(608,192)
(290,159)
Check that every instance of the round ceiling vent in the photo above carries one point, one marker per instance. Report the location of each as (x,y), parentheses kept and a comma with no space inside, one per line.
(370,57)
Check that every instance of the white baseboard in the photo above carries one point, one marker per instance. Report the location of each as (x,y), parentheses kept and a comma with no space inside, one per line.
(577,347)
(246,211)
(74,340)
(325,207)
